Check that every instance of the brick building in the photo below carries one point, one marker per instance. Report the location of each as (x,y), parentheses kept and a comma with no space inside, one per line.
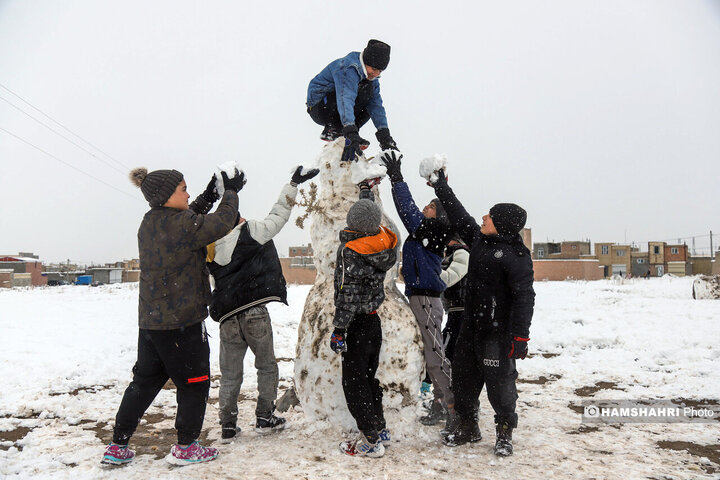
(27,263)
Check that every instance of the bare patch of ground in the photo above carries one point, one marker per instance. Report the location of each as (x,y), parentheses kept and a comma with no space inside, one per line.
(711,452)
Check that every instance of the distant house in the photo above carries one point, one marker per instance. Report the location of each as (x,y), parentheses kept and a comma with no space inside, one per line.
(27,263)
(106,275)
(301,251)
(567,260)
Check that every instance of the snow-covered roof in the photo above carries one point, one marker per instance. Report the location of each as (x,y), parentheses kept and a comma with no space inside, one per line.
(16,258)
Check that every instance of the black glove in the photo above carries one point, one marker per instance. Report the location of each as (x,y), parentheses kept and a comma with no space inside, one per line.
(299,178)
(392,162)
(518,348)
(337,340)
(386,141)
(442,178)
(236,183)
(354,143)
(210,194)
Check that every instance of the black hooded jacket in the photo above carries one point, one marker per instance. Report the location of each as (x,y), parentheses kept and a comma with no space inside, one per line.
(499,293)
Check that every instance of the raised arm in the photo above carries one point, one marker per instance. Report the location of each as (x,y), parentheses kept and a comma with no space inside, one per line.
(204,202)
(202,230)
(457,269)
(463,223)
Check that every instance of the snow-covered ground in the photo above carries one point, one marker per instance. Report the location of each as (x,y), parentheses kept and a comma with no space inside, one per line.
(66,355)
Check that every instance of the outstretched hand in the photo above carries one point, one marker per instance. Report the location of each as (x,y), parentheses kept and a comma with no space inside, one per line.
(393,161)
(299,178)
(210,194)
(236,183)
(441,178)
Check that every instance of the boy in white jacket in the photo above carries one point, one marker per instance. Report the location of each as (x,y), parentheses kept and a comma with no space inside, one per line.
(247,273)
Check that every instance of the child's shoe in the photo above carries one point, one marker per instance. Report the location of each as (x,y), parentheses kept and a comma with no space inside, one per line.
(270,424)
(362,448)
(193,453)
(384,435)
(229,430)
(117,454)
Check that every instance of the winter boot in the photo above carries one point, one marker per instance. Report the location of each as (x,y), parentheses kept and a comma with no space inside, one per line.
(265,425)
(451,422)
(384,435)
(330,133)
(425,388)
(503,440)
(117,454)
(437,413)
(229,430)
(361,447)
(465,431)
(193,453)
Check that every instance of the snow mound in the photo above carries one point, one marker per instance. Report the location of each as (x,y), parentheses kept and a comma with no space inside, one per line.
(318,377)
(430,165)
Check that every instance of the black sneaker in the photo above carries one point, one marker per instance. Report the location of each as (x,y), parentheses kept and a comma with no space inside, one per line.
(465,431)
(229,430)
(503,441)
(330,133)
(268,425)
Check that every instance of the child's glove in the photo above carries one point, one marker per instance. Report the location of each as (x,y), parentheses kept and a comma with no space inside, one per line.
(299,178)
(393,163)
(210,194)
(354,144)
(518,348)
(236,183)
(386,141)
(337,340)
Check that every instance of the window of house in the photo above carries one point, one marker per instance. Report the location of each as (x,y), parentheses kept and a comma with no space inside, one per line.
(641,260)
(574,247)
(674,250)
(541,253)
(656,250)
(620,253)
(605,249)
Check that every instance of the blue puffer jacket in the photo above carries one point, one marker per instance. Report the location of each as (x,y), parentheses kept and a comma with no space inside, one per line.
(343,75)
(420,267)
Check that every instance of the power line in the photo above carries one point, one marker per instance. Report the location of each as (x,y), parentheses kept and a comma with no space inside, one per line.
(68,164)
(63,136)
(65,128)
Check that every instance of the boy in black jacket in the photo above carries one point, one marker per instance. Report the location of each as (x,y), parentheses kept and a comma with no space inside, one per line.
(499,300)
(366,253)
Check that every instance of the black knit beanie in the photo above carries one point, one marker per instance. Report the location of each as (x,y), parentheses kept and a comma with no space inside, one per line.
(440,213)
(157,186)
(508,218)
(377,54)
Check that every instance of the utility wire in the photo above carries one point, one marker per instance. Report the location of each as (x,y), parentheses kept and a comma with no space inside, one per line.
(63,136)
(65,128)
(68,164)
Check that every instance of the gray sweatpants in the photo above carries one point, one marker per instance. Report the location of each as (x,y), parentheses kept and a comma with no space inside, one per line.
(249,328)
(428,313)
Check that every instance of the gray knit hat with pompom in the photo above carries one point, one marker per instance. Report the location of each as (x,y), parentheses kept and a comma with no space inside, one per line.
(157,186)
(364,217)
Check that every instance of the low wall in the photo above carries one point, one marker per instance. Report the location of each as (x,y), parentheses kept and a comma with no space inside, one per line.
(301,275)
(569,269)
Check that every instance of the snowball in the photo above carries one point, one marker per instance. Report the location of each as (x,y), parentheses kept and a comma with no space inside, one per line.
(430,165)
(229,169)
(363,169)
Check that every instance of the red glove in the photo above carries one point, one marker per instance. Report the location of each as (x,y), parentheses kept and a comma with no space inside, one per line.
(518,348)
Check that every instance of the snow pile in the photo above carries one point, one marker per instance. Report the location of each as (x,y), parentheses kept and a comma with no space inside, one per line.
(430,165)
(367,169)
(317,368)
(67,352)
(706,287)
(230,169)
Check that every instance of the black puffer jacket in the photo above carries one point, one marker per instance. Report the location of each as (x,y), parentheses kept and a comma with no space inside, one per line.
(245,263)
(499,294)
(362,262)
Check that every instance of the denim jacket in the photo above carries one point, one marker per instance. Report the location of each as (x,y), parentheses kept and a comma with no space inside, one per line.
(343,75)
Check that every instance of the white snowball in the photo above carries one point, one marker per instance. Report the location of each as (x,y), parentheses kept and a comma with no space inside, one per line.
(430,165)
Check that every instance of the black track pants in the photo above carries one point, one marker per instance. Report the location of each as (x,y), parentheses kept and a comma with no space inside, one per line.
(182,355)
(359,364)
(481,358)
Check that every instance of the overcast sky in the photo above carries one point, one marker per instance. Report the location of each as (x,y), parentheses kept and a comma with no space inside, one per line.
(601,118)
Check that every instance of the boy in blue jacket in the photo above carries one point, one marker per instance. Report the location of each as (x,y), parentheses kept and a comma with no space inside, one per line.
(346,94)
(423,254)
